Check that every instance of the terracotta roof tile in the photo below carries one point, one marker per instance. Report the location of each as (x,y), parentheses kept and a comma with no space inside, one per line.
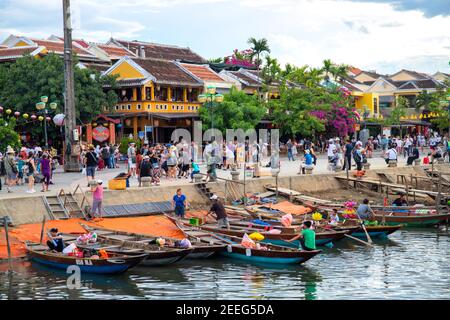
(159,51)
(203,72)
(166,72)
(58,47)
(114,51)
(16,52)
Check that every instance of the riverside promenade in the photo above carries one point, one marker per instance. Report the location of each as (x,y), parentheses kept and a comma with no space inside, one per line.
(70,181)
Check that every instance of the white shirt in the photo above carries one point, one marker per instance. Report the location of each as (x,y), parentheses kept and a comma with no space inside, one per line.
(392,154)
(331,149)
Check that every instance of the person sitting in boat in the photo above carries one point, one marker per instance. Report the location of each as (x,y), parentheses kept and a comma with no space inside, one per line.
(219,210)
(364,211)
(56,242)
(400,201)
(334,217)
(307,237)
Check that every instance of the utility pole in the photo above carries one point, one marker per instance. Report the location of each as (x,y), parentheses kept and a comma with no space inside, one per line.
(71,163)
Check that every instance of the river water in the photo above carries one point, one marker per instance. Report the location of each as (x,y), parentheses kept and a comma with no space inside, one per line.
(411,264)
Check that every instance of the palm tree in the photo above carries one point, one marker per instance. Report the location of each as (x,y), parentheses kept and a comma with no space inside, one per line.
(327,69)
(340,72)
(258,47)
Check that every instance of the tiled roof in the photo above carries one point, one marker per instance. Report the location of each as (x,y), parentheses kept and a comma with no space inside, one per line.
(160,51)
(418,75)
(97,66)
(355,70)
(202,72)
(58,47)
(251,82)
(11,53)
(372,74)
(166,72)
(114,51)
(421,84)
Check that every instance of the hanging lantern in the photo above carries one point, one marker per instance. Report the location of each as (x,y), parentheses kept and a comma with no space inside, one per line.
(94,124)
(17,113)
(40,118)
(106,124)
(59,119)
(48,119)
(33,117)
(44,99)
(119,126)
(1,109)
(128,122)
(25,115)
(8,111)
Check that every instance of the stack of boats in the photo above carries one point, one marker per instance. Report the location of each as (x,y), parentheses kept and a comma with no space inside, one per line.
(125,250)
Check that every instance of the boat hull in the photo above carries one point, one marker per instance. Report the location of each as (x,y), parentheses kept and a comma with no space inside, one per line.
(413,220)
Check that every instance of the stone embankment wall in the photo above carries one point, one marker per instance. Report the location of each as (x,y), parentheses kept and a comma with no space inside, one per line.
(31,209)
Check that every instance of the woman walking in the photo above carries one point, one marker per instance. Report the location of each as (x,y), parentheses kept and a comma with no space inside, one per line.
(10,168)
(31,172)
(46,169)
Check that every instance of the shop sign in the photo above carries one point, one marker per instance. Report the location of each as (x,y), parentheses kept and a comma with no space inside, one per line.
(100,134)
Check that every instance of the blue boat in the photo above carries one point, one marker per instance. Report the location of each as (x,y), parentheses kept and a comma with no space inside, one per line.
(114,264)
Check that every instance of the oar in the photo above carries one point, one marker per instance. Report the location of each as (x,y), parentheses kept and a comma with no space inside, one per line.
(359,240)
(364,228)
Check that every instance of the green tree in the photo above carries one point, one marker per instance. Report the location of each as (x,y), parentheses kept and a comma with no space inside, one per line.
(8,136)
(270,73)
(259,47)
(23,83)
(293,112)
(237,111)
(327,69)
(398,111)
(440,105)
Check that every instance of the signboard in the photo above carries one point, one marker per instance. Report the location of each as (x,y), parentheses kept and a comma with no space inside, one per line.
(141,135)
(148,129)
(387,131)
(100,134)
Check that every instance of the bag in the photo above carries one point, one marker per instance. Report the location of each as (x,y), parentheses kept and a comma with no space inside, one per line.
(356,156)
(25,168)
(83,171)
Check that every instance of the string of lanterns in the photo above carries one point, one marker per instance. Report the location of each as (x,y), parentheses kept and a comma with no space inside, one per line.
(58,119)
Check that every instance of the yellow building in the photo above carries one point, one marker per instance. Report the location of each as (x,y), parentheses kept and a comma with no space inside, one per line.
(154,94)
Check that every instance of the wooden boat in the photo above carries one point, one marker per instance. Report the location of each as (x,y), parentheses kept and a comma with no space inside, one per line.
(116,263)
(199,249)
(155,254)
(322,238)
(411,219)
(380,231)
(272,254)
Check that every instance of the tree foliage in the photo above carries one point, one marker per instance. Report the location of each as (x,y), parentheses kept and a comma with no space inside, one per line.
(23,82)
(237,111)
(398,111)
(8,136)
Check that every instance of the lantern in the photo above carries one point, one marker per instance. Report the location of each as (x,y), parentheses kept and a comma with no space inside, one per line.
(8,111)
(40,105)
(33,117)
(1,109)
(211,90)
(201,98)
(40,118)
(94,124)
(17,113)
(219,98)
(25,115)
(119,125)
(128,122)
(106,124)
(59,119)
(44,99)
(53,105)
(48,119)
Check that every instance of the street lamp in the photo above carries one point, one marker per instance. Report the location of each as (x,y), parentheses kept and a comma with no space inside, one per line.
(209,98)
(42,108)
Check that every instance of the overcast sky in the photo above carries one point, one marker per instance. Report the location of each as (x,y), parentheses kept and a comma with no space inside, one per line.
(382,35)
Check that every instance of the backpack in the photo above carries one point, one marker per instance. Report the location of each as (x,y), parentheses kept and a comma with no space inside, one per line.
(356,156)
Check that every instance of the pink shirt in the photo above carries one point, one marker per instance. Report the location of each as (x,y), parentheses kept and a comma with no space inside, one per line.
(98,193)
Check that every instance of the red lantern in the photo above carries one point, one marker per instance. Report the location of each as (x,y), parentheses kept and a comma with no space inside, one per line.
(17,113)
(33,117)
(1,109)
(48,119)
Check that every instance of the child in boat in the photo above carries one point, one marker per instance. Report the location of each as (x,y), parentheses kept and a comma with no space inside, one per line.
(307,237)
(56,242)
(334,217)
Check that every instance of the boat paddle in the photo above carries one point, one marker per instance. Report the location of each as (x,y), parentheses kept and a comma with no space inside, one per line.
(369,239)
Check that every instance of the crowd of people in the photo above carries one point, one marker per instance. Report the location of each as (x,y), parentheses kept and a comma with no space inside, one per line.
(28,165)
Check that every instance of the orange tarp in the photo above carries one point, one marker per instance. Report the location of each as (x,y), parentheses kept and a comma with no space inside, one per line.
(288,207)
(151,225)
